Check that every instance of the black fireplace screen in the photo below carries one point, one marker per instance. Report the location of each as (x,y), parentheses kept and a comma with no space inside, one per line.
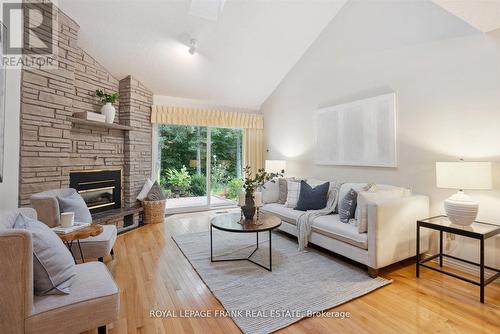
(101,189)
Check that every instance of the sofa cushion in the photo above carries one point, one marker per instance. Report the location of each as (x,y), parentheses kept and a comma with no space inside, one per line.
(331,226)
(312,198)
(75,203)
(328,225)
(98,246)
(53,265)
(270,191)
(288,215)
(94,293)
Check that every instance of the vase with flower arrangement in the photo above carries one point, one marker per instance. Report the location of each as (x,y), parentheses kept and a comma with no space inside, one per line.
(251,184)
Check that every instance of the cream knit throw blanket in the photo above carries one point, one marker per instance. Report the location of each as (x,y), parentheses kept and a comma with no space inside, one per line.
(304,222)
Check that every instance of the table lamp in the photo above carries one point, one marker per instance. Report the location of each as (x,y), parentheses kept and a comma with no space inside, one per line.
(460,208)
(275,166)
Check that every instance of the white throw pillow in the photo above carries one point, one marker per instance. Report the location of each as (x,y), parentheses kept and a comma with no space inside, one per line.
(145,190)
(365,197)
(270,192)
(292,197)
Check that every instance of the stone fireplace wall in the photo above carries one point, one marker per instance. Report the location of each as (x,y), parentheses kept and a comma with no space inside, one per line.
(52,146)
(135,109)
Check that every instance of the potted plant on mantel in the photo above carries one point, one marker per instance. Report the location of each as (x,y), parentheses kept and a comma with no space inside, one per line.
(108,110)
(251,184)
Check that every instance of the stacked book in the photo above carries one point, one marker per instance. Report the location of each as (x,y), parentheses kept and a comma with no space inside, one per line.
(90,116)
(65,230)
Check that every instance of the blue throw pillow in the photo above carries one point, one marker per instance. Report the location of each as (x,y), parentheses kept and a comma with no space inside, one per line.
(312,198)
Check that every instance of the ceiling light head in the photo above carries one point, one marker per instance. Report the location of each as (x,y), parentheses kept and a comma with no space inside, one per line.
(193,45)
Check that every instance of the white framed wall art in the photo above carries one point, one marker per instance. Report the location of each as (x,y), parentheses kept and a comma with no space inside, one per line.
(359,133)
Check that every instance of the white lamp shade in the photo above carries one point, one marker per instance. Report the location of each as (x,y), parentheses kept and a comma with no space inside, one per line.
(275,166)
(464,175)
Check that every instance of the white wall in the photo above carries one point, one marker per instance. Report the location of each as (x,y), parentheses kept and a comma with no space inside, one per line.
(9,188)
(10,185)
(447,79)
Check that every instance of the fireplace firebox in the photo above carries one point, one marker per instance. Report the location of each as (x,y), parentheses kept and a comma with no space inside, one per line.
(101,189)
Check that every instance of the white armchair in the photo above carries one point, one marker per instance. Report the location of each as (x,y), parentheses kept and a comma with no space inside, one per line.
(92,303)
(47,208)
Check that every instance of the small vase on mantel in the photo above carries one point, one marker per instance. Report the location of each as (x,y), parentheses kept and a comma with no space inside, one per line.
(109,111)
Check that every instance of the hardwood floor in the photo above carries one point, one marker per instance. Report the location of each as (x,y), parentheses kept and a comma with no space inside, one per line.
(153,274)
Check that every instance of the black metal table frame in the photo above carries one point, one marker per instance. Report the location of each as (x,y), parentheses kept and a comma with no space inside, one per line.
(270,268)
(69,244)
(481,237)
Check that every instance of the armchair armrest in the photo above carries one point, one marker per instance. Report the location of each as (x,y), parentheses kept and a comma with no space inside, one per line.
(392,229)
(16,275)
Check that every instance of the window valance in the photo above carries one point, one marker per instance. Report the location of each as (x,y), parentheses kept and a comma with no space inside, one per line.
(205,117)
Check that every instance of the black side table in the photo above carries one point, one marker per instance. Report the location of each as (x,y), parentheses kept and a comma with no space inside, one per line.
(477,230)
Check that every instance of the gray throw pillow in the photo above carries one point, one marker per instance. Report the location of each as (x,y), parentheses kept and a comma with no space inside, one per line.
(347,206)
(155,193)
(283,191)
(75,203)
(53,265)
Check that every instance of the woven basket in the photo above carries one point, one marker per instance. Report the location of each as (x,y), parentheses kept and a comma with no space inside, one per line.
(154,211)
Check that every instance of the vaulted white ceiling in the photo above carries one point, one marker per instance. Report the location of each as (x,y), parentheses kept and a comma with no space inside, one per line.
(241,57)
(483,15)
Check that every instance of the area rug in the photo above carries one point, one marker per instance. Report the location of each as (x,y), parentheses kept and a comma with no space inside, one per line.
(260,301)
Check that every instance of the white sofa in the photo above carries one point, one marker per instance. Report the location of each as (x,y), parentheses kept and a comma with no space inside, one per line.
(391,235)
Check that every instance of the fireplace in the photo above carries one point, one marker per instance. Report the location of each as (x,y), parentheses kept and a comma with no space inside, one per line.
(101,189)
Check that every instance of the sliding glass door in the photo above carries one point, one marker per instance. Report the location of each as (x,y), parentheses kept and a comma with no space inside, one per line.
(183,168)
(185,152)
(226,164)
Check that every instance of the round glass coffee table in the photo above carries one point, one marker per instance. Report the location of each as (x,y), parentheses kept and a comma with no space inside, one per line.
(232,222)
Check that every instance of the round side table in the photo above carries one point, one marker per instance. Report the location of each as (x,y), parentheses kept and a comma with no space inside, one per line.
(70,238)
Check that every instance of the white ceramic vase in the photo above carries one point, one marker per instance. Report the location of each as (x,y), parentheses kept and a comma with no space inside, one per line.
(109,111)
(461,209)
